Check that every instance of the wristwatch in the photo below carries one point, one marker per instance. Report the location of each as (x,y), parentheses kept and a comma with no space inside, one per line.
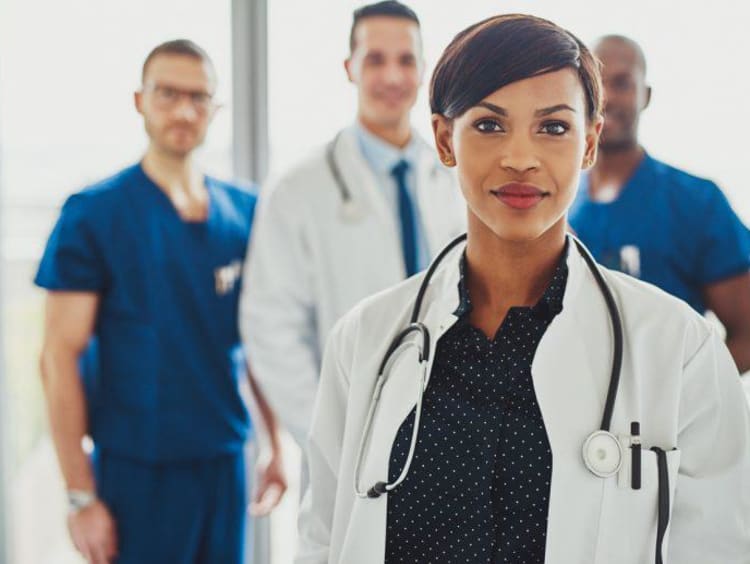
(80,499)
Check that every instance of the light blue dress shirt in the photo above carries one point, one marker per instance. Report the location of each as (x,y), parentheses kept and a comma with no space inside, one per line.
(382,157)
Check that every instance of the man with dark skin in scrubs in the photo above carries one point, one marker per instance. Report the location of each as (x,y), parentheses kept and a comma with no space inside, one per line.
(654,221)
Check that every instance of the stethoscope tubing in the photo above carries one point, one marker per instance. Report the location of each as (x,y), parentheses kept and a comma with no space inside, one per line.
(346,195)
(424,357)
(415,326)
(616,321)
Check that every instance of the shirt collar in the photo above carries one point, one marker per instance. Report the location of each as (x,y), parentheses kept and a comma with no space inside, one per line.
(382,156)
(548,306)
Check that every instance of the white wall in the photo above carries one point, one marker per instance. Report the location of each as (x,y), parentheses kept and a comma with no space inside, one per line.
(696,51)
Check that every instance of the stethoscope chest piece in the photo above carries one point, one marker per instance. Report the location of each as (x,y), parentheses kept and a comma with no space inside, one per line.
(602,454)
(350,211)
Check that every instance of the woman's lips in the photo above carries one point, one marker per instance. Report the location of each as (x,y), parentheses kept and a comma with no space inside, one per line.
(519,196)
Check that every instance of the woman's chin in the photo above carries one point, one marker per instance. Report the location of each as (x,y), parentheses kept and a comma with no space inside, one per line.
(515,232)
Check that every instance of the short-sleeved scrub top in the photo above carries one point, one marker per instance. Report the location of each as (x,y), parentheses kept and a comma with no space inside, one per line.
(162,370)
(667,227)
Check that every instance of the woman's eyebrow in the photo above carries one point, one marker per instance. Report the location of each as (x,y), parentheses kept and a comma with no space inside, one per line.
(539,113)
(553,109)
(493,108)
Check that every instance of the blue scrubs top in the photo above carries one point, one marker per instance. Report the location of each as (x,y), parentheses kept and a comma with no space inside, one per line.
(163,369)
(666,227)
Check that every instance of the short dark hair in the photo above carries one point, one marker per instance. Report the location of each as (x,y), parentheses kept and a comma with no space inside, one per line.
(505,49)
(639,54)
(390,8)
(183,47)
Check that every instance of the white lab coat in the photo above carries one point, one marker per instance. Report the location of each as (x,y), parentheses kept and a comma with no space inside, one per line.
(307,266)
(678,380)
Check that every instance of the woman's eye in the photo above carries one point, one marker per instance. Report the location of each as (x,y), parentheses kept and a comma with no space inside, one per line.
(488,126)
(555,128)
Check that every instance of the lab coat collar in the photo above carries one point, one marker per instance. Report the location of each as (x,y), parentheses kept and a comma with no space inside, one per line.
(362,183)
(561,369)
(560,365)
(548,306)
(571,388)
(444,310)
(381,155)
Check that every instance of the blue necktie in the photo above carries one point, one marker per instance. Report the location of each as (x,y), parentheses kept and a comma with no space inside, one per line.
(406,214)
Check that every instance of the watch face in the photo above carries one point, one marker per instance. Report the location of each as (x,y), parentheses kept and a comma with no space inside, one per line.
(79,500)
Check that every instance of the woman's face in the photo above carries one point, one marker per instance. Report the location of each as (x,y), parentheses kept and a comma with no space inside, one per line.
(519,153)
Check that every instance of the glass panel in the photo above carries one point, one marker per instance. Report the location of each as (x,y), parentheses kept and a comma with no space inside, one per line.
(67,74)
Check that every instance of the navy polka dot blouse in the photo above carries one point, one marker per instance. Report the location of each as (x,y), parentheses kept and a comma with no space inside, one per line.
(478,487)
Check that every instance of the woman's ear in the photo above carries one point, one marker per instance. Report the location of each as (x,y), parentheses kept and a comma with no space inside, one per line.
(442,128)
(593,133)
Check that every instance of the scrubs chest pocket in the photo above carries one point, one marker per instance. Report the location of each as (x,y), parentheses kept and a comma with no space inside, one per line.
(629,518)
(129,361)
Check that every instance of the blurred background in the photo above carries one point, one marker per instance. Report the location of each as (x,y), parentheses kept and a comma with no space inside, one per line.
(67,74)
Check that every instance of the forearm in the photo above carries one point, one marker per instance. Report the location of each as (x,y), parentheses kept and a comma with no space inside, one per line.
(66,408)
(285,370)
(739,346)
(268,418)
(729,299)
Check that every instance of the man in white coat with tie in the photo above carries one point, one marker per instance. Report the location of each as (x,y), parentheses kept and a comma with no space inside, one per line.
(364,212)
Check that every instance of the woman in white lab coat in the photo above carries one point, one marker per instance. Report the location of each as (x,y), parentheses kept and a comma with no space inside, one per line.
(573,415)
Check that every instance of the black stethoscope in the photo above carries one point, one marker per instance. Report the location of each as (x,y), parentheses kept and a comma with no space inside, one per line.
(602,451)
(350,211)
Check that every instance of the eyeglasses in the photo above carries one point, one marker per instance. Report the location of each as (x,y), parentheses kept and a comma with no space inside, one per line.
(167,97)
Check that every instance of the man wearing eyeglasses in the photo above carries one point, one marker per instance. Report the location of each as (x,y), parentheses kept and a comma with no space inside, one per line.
(141,349)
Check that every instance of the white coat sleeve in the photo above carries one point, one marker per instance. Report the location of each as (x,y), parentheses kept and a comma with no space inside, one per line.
(324,451)
(711,514)
(277,316)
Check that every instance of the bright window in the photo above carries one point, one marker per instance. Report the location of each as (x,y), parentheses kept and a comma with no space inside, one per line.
(67,74)
(695,54)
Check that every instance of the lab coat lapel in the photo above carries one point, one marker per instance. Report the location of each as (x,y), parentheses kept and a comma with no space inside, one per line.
(363,185)
(365,539)
(571,391)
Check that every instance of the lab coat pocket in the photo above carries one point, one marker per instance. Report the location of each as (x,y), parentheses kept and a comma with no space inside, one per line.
(629,518)
(129,365)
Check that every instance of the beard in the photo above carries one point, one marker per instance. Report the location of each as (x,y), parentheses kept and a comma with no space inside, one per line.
(617,145)
(163,138)
(621,135)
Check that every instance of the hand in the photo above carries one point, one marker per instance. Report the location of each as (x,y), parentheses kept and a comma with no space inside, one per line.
(271,481)
(93,532)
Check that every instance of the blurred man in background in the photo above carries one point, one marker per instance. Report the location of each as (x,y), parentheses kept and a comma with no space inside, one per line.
(656,222)
(141,347)
(363,213)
